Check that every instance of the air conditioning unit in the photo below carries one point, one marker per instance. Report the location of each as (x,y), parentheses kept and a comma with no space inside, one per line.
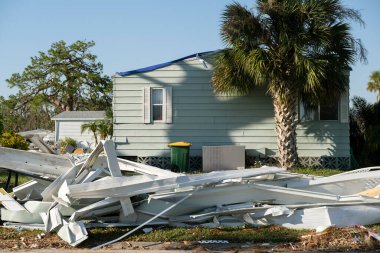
(228,157)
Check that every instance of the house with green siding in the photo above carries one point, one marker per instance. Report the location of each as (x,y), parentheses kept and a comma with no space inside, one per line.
(175,101)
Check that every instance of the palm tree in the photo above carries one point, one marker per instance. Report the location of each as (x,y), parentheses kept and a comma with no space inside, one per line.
(91,127)
(374,83)
(365,131)
(298,49)
(104,128)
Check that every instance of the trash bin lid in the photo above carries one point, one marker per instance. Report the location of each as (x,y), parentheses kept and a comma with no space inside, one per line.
(179,144)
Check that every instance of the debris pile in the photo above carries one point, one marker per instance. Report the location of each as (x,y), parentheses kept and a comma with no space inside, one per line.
(104,191)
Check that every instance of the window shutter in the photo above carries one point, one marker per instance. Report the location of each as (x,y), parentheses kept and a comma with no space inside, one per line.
(344,107)
(169,103)
(147,105)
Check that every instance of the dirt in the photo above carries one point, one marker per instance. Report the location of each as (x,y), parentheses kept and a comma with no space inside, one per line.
(333,239)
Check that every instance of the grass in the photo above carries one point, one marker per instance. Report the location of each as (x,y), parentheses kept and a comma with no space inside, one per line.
(9,234)
(4,176)
(318,171)
(273,234)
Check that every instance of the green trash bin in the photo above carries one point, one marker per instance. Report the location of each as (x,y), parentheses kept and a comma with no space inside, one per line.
(179,156)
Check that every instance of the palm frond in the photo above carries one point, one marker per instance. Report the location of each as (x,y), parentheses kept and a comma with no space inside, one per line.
(240,27)
(229,76)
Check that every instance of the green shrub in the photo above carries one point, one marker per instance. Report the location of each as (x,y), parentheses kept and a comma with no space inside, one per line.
(68,141)
(12,140)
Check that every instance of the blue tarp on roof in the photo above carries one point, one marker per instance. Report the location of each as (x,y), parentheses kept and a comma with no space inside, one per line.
(161,65)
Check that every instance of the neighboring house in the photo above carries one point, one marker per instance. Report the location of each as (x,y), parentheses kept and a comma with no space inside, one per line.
(175,101)
(68,124)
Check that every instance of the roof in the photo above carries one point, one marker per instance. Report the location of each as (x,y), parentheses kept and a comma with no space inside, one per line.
(161,65)
(80,115)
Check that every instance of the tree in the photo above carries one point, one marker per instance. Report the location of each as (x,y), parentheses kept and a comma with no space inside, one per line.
(103,128)
(91,127)
(68,77)
(374,83)
(365,131)
(1,123)
(33,115)
(296,48)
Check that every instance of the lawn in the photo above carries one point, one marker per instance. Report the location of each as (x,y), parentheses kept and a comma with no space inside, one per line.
(318,171)
(4,176)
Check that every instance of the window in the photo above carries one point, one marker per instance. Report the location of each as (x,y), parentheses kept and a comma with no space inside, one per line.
(329,111)
(325,111)
(157,104)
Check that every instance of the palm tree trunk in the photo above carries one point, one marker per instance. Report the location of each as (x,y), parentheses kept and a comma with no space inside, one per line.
(96,137)
(285,110)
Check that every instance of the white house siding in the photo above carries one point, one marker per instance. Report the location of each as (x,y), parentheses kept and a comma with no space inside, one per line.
(204,118)
(72,129)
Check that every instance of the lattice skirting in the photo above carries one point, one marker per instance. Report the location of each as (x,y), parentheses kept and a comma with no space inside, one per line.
(315,162)
(312,162)
(164,162)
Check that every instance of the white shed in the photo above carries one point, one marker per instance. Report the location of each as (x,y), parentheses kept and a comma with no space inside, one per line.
(68,124)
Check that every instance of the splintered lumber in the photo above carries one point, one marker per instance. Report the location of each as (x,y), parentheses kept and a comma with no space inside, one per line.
(326,216)
(96,192)
(95,206)
(87,165)
(371,192)
(73,232)
(39,143)
(33,164)
(30,190)
(52,189)
(275,210)
(113,165)
(10,203)
(144,168)
(135,185)
(248,192)
(341,184)
(150,220)
(22,216)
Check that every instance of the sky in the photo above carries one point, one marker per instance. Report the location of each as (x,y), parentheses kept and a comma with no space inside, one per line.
(131,34)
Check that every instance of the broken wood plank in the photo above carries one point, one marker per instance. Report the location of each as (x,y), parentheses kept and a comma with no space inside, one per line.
(345,184)
(113,165)
(73,232)
(33,164)
(134,185)
(22,216)
(10,203)
(39,143)
(53,188)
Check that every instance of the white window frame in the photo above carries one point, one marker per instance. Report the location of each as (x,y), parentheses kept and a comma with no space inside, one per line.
(303,118)
(343,110)
(167,114)
(163,106)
